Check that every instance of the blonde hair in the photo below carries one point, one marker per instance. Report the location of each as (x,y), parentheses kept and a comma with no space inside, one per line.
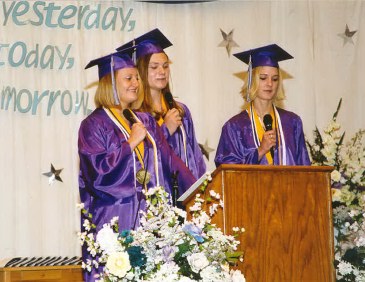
(280,94)
(104,95)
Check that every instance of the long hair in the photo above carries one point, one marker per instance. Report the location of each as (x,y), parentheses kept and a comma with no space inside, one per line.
(280,94)
(147,104)
(104,95)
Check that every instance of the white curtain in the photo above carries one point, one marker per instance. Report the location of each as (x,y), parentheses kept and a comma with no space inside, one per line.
(45,91)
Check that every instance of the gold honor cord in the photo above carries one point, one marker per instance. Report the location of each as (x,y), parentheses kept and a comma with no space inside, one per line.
(164,110)
(259,129)
(139,150)
(142,176)
(161,121)
(155,159)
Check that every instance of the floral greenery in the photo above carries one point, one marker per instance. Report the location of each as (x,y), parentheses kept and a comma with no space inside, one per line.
(348,196)
(166,246)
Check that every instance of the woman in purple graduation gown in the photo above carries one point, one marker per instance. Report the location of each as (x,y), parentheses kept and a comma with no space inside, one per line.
(174,117)
(263,133)
(118,158)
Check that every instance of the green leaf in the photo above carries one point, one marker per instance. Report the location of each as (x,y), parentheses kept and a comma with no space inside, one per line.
(338,109)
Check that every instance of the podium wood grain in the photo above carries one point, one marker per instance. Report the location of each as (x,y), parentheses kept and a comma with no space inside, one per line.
(71,273)
(287,214)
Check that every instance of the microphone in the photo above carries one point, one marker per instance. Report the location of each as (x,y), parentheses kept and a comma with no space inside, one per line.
(169,100)
(175,185)
(268,126)
(128,115)
(175,188)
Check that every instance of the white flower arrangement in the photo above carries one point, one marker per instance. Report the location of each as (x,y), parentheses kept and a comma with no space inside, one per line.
(348,195)
(166,246)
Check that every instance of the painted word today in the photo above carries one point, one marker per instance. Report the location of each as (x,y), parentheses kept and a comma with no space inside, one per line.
(47,57)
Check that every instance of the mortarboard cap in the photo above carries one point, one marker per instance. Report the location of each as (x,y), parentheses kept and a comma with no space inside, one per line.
(110,63)
(116,61)
(268,55)
(151,42)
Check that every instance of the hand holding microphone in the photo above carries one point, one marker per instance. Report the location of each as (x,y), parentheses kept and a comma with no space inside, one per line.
(172,118)
(269,135)
(138,130)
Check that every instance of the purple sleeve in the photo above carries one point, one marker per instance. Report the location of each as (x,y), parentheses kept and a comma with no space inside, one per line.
(106,161)
(194,156)
(196,153)
(165,131)
(302,156)
(231,147)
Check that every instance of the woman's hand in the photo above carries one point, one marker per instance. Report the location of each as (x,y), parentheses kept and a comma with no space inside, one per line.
(172,120)
(138,133)
(268,141)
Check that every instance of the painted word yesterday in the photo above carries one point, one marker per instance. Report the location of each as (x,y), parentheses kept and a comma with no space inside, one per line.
(47,13)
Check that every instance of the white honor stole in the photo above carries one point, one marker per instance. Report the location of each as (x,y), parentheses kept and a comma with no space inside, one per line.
(126,136)
(281,153)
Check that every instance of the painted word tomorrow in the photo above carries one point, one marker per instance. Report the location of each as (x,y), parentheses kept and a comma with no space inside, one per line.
(25,101)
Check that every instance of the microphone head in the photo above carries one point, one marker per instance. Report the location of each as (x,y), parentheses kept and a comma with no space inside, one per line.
(268,122)
(169,99)
(128,115)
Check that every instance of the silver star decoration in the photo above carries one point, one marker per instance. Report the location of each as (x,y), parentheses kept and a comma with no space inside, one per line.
(53,175)
(206,150)
(228,41)
(347,35)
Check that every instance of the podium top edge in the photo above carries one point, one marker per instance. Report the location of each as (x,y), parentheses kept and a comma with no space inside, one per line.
(277,168)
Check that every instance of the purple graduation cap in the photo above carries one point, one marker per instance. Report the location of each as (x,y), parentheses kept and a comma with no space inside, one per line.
(269,55)
(151,42)
(110,63)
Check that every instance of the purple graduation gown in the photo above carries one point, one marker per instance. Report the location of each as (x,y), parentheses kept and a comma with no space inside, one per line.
(195,161)
(236,144)
(106,179)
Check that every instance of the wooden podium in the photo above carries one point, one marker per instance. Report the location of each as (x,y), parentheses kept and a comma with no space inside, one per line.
(70,273)
(287,214)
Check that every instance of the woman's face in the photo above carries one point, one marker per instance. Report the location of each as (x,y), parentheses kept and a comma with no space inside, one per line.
(268,83)
(158,71)
(127,84)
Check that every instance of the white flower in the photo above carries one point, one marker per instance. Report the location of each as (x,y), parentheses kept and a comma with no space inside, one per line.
(159,238)
(211,274)
(114,220)
(336,195)
(196,207)
(197,262)
(108,240)
(213,209)
(118,264)
(237,276)
(185,279)
(345,268)
(335,176)
(209,175)
(87,225)
(214,194)
(347,196)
